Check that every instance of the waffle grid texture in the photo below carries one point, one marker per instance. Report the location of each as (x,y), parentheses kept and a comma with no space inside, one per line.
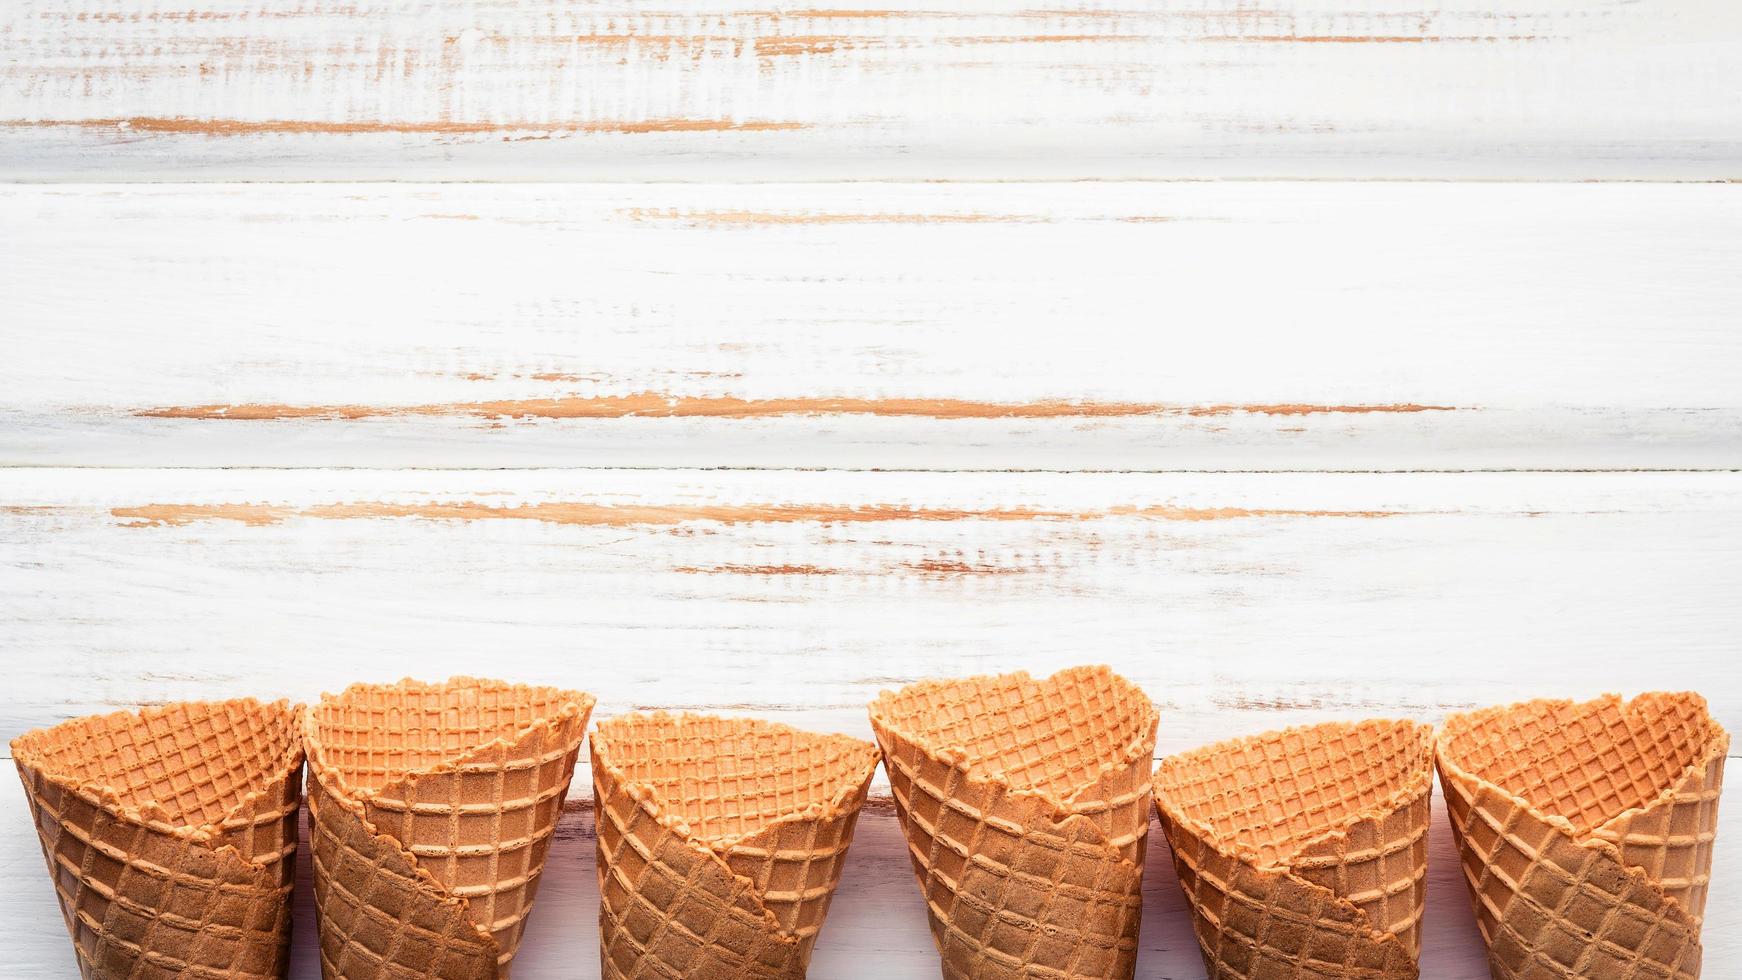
(431,811)
(171,836)
(1586,832)
(721,841)
(1303,853)
(1025,805)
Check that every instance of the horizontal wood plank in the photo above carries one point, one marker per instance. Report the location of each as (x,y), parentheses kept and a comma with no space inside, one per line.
(1236,601)
(1239,602)
(1126,326)
(700,89)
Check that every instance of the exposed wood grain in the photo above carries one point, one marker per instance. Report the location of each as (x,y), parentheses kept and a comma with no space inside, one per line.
(1260,326)
(679,407)
(1240,603)
(668,515)
(711,90)
(1147,327)
(1229,597)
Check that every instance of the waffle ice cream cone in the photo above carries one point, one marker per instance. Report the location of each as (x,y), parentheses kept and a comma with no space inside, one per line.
(431,809)
(721,841)
(1586,832)
(1026,805)
(171,836)
(1303,852)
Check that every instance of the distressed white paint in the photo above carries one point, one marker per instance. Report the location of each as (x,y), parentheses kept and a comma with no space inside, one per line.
(1568,326)
(1563,326)
(1476,588)
(554,89)
(1324,595)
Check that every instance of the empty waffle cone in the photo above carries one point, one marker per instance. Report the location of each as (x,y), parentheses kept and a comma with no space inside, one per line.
(171,836)
(1303,852)
(721,841)
(1026,806)
(431,809)
(1586,832)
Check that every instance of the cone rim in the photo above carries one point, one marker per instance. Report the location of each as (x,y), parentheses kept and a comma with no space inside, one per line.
(838,804)
(576,705)
(1140,747)
(1717,742)
(1419,783)
(151,814)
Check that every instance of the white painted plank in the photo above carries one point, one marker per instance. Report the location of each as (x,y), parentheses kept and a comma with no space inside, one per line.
(1239,602)
(703,89)
(1235,600)
(1132,326)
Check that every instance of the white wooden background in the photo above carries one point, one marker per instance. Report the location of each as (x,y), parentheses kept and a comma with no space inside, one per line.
(755,360)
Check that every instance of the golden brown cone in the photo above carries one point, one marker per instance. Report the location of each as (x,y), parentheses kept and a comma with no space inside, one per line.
(1303,852)
(431,812)
(1586,832)
(721,841)
(171,836)
(1026,806)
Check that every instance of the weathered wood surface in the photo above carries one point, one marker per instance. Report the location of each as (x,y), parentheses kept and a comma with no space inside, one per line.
(1123,326)
(700,89)
(1239,602)
(488,415)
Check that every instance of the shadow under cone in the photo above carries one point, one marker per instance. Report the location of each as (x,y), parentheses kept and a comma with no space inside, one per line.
(1303,852)
(171,835)
(431,809)
(1026,806)
(721,841)
(1586,832)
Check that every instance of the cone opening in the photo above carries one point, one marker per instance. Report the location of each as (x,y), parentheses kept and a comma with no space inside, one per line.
(373,734)
(196,761)
(729,778)
(1270,795)
(1055,737)
(1586,763)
